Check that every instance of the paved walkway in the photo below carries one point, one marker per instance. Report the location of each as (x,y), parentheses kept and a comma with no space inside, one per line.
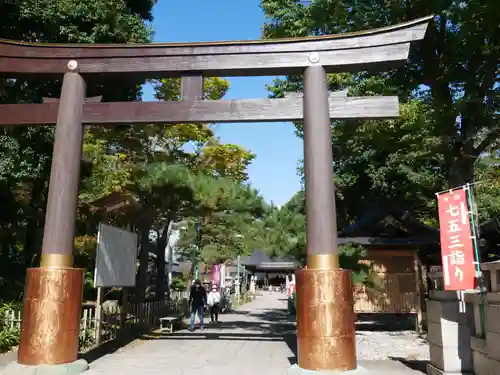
(248,341)
(257,339)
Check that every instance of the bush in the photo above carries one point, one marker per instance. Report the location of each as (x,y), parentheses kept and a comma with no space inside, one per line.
(9,336)
(179,284)
(86,340)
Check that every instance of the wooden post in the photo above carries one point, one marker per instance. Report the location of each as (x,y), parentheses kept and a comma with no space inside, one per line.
(192,87)
(98,315)
(124,309)
(419,303)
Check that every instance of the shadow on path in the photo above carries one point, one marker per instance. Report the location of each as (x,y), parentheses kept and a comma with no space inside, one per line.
(274,315)
(243,324)
(233,312)
(417,365)
(376,322)
(205,335)
(106,348)
(263,324)
(380,322)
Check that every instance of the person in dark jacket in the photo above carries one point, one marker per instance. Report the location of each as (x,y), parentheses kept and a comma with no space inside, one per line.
(197,303)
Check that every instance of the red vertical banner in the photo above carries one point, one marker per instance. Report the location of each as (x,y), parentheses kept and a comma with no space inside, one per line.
(215,275)
(457,250)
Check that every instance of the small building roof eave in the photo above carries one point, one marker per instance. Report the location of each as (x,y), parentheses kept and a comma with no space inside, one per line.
(381,241)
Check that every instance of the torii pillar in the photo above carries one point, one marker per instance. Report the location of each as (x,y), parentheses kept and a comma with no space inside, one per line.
(53,292)
(326,337)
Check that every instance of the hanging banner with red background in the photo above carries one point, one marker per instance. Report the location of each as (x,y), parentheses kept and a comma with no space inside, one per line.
(215,275)
(457,250)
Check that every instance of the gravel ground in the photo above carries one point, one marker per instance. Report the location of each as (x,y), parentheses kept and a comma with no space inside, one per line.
(385,336)
(406,345)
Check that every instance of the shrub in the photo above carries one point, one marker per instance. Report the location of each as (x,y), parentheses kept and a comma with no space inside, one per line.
(9,335)
(86,340)
(179,284)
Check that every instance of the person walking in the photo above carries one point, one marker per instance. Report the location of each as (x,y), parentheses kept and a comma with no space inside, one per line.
(197,303)
(213,301)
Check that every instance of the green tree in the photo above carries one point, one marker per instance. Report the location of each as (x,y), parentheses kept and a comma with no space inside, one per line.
(449,93)
(228,214)
(285,236)
(25,153)
(177,156)
(156,164)
(179,284)
(487,191)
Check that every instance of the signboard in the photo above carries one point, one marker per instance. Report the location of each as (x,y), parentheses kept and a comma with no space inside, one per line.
(116,257)
(457,250)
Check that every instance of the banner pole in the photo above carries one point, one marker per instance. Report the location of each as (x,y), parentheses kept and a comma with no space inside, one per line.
(471,202)
(461,187)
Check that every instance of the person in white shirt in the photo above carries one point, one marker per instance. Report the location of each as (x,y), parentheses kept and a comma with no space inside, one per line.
(213,300)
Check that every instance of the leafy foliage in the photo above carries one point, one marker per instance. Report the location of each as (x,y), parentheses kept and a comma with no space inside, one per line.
(26,153)
(227,213)
(449,92)
(179,284)
(156,165)
(351,257)
(9,334)
(183,159)
(286,237)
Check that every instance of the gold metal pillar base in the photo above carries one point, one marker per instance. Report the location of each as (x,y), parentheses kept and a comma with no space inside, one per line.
(323,262)
(326,335)
(56,261)
(51,318)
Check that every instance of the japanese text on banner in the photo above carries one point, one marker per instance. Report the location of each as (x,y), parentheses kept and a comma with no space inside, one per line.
(457,251)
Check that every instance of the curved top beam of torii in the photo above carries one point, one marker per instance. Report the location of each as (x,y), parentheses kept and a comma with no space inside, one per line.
(378,48)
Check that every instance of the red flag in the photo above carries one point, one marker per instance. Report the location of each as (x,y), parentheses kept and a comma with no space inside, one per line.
(215,275)
(457,250)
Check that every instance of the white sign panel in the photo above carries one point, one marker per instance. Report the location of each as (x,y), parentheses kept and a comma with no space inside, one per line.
(116,257)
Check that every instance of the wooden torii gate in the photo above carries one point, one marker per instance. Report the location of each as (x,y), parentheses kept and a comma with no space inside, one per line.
(53,292)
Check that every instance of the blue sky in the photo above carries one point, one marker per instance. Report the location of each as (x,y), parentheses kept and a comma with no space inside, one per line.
(278,150)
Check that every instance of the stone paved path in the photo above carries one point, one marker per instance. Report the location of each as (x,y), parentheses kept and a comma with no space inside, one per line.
(248,341)
(257,339)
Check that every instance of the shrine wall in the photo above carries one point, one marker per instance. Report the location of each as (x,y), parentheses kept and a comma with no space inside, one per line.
(464,329)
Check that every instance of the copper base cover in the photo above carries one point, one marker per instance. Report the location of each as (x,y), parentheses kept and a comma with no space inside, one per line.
(51,319)
(326,331)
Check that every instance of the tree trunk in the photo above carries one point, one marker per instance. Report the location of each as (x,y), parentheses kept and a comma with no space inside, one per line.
(32,244)
(160,268)
(461,167)
(161,244)
(142,271)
